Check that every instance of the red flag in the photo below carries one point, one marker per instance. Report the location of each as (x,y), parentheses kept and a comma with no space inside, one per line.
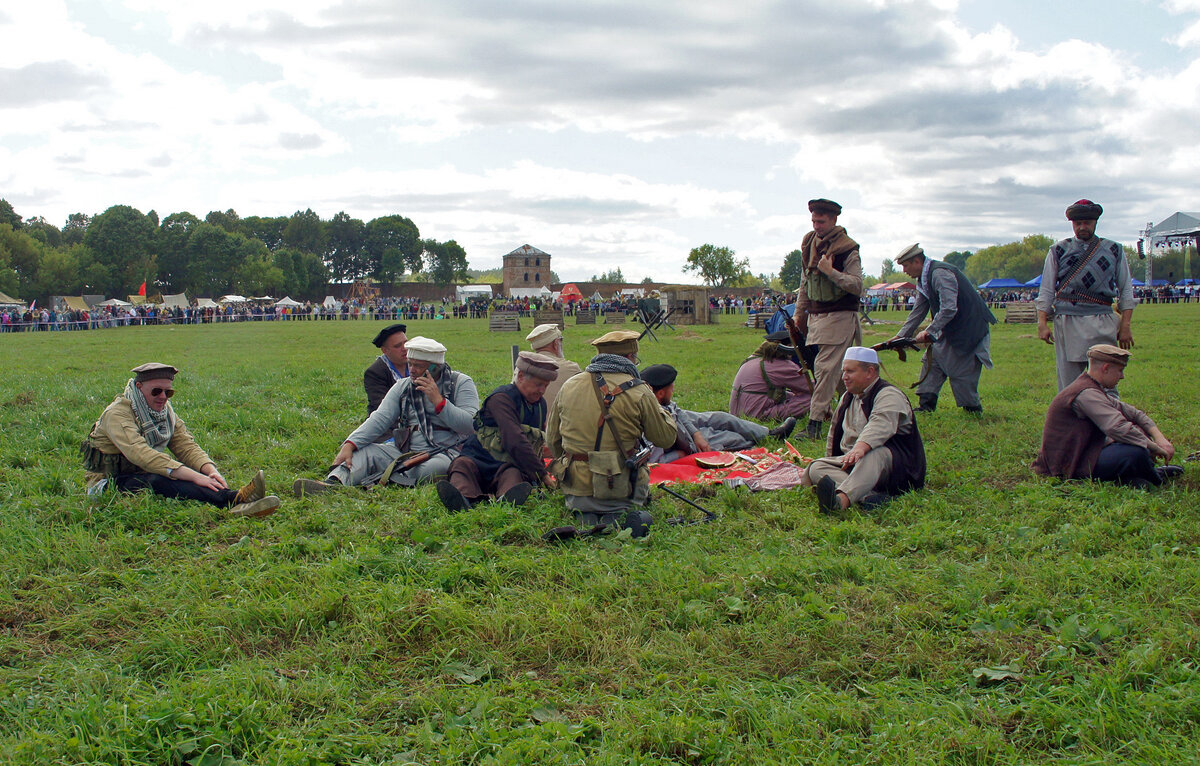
(142,290)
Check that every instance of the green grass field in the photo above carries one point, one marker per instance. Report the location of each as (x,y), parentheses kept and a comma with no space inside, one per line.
(991,618)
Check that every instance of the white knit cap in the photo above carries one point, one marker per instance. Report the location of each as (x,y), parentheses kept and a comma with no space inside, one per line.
(543,335)
(426,349)
(861,354)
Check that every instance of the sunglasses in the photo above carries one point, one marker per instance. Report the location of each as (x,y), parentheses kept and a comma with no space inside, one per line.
(160,391)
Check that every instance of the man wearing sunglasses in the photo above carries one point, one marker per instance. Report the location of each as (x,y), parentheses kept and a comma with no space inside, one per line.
(127,450)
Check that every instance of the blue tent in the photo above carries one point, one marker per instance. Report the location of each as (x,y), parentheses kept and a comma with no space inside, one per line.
(1035,282)
(1186,282)
(1001,282)
(1159,283)
(1137,282)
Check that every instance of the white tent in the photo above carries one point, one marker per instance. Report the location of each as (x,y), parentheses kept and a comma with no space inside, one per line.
(463,292)
(114,302)
(596,296)
(231,299)
(331,303)
(265,298)
(205,303)
(287,301)
(529,292)
(179,300)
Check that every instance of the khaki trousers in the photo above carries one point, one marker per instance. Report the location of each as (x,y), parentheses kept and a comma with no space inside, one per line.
(833,333)
(864,476)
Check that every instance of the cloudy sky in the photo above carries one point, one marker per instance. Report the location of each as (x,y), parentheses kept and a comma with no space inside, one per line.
(611,133)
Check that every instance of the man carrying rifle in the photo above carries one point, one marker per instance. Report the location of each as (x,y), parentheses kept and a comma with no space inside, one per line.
(593,431)
(827,303)
(958,330)
(430,413)
(504,458)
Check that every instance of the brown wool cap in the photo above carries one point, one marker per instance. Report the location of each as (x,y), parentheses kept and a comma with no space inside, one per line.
(620,342)
(827,206)
(1104,352)
(153,371)
(908,253)
(536,365)
(1084,210)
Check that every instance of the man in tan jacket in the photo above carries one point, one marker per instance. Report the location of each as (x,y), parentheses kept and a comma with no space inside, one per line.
(591,456)
(127,450)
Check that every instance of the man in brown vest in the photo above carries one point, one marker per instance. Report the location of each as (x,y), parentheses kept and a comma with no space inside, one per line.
(831,285)
(1090,434)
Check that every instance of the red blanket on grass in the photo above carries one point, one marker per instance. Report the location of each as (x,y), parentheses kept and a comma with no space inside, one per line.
(685,470)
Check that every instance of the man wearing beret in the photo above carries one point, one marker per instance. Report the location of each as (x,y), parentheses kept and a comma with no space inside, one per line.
(959,330)
(874,447)
(827,303)
(703,431)
(431,413)
(546,339)
(1082,277)
(504,457)
(127,448)
(1091,434)
(770,385)
(594,429)
(389,368)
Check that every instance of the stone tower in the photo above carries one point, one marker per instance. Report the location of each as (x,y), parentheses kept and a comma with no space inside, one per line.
(526,267)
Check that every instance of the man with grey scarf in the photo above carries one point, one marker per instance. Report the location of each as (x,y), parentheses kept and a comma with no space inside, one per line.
(593,429)
(127,449)
(431,414)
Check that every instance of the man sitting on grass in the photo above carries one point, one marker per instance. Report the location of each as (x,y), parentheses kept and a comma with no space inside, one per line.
(704,431)
(1090,434)
(874,447)
(504,458)
(126,450)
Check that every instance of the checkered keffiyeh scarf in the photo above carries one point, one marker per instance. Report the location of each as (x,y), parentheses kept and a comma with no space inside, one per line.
(415,402)
(156,427)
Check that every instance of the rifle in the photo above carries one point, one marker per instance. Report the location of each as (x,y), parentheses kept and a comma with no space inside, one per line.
(903,345)
(411,460)
(798,341)
(680,521)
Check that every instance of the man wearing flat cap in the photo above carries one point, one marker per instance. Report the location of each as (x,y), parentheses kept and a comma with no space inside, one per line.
(770,385)
(503,460)
(703,431)
(594,429)
(546,339)
(1082,277)
(430,414)
(127,450)
(827,303)
(389,368)
(1091,434)
(959,331)
(874,448)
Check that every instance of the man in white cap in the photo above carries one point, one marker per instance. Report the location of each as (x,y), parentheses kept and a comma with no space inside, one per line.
(959,331)
(546,339)
(1091,434)
(874,447)
(127,450)
(593,432)
(431,413)
(1081,278)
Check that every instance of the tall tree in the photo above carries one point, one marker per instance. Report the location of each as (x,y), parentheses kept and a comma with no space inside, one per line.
(267,230)
(305,231)
(74,228)
(213,257)
(20,254)
(393,231)
(8,215)
(173,252)
(958,258)
(1017,260)
(229,220)
(790,271)
(346,248)
(612,276)
(123,239)
(44,231)
(717,266)
(447,261)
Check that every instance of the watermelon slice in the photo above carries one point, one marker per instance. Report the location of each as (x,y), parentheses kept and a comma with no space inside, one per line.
(716,460)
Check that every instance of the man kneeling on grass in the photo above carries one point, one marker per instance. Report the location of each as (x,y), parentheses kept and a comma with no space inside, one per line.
(874,447)
(126,450)
(1090,434)
(504,458)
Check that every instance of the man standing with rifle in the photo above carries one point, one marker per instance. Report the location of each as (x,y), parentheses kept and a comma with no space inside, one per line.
(593,431)
(1082,277)
(827,303)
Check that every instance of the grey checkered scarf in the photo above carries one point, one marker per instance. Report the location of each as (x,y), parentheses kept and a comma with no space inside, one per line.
(156,427)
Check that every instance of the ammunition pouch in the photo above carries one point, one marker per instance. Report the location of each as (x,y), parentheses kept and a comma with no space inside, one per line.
(610,477)
(103,463)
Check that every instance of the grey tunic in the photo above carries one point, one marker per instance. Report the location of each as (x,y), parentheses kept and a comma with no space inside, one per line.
(454,424)
(722,431)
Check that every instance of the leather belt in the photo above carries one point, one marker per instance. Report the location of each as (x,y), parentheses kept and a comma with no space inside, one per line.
(579,457)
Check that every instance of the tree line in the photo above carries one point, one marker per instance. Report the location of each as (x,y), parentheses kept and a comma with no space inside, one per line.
(114,252)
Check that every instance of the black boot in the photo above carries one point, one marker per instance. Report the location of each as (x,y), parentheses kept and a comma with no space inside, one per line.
(928,403)
(814,429)
(784,429)
(977,410)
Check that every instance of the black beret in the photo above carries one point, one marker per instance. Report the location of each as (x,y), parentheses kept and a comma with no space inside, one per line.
(827,206)
(1084,210)
(388,332)
(779,336)
(659,375)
